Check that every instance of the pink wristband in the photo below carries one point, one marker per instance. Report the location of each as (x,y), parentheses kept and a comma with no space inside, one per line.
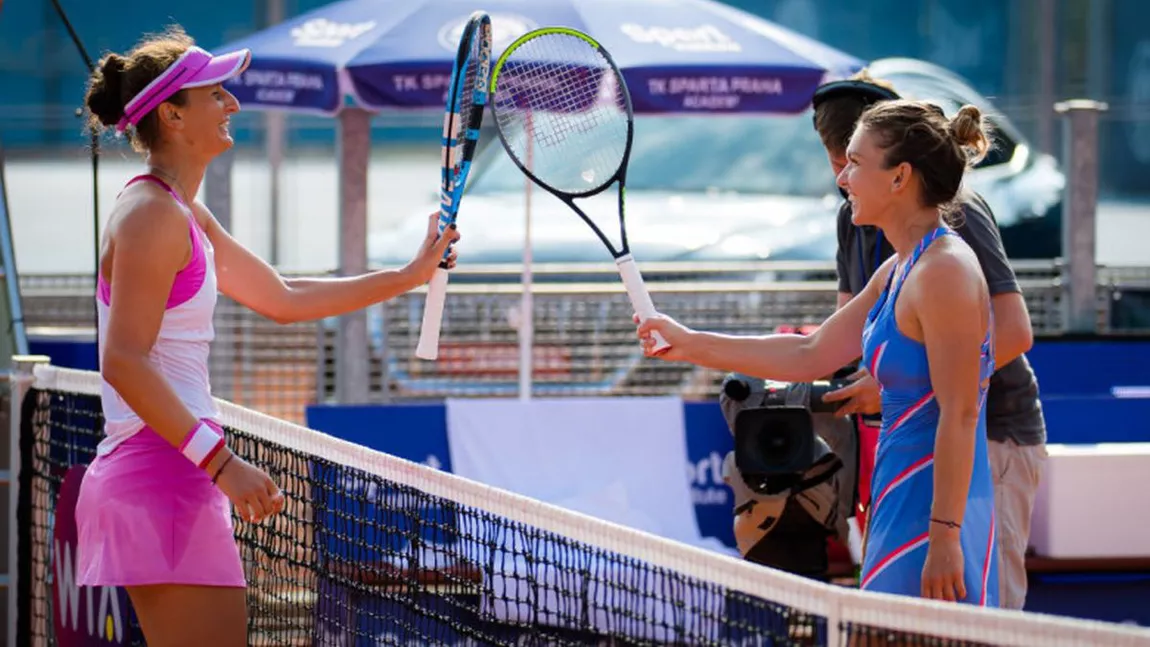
(202,444)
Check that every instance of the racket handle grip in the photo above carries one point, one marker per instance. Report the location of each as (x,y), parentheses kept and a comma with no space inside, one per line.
(428,346)
(640,298)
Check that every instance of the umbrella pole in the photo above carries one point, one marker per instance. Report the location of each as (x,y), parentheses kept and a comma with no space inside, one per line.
(352,375)
(276,123)
(526,306)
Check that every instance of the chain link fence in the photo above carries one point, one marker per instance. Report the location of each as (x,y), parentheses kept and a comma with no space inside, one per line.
(583,340)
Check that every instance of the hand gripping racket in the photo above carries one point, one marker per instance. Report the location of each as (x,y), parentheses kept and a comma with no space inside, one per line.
(564,115)
(466,99)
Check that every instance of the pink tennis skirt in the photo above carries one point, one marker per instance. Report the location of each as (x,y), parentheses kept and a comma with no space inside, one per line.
(147,515)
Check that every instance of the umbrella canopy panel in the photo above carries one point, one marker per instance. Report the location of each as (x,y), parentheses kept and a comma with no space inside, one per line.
(677,55)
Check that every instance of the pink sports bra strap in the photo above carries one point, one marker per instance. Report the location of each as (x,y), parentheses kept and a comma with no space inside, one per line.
(197,243)
(191,277)
(165,185)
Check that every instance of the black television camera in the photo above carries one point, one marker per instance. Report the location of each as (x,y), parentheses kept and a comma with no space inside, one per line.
(792,471)
(775,440)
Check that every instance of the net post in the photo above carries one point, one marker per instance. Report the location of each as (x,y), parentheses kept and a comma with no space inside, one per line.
(19,382)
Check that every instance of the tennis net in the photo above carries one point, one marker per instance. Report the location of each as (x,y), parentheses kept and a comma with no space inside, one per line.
(375,550)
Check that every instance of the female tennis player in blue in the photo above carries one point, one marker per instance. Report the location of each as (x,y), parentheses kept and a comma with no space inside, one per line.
(153,514)
(923,327)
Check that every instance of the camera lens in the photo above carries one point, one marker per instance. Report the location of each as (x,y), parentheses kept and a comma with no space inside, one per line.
(773,441)
(777,443)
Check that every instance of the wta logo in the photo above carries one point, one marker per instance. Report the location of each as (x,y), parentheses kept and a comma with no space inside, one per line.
(85,616)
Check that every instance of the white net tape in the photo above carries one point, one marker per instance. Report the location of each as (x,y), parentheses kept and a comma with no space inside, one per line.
(837,604)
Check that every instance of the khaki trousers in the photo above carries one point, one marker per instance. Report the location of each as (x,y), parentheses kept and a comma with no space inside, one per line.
(1016,469)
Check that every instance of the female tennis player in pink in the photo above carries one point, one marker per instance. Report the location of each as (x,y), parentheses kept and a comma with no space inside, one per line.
(924,328)
(153,513)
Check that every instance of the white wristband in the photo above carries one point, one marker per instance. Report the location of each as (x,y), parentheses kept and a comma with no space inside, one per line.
(202,444)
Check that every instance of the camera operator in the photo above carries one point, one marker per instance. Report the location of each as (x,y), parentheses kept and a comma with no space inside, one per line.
(1015,426)
(792,472)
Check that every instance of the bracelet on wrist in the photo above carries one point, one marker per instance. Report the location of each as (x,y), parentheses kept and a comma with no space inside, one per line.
(221,470)
(202,444)
(948,524)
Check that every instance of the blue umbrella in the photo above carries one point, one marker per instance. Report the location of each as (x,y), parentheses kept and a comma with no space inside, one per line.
(677,55)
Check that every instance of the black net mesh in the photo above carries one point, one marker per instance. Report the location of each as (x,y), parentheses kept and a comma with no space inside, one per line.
(356,559)
(360,559)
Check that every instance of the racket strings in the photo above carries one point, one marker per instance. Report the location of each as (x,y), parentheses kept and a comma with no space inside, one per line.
(459,124)
(473,82)
(471,95)
(558,95)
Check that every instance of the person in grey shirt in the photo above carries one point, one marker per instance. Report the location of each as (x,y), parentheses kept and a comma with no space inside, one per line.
(1014,421)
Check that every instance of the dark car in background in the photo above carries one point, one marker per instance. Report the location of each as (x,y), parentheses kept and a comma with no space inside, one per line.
(1023,186)
(709,199)
(735,188)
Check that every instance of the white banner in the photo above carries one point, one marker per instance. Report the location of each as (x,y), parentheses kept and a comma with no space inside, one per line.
(618,459)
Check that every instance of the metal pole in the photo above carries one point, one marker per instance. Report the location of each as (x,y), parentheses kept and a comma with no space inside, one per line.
(1079,204)
(1047,80)
(384,355)
(351,381)
(218,199)
(19,382)
(276,135)
(1098,49)
(526,301)
(276,123)
(11,275)
(218,188)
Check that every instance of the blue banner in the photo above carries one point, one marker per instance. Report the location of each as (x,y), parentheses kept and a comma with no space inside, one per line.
(708,441)
(414,432)
(720,90)
(294,85)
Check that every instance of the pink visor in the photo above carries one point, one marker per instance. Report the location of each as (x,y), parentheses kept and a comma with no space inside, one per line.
(195,68)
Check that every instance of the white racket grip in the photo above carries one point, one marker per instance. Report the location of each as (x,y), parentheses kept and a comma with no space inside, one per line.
(428,346)
(640,298)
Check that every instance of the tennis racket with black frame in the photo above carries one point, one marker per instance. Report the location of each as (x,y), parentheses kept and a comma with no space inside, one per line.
(467,96)
(564,116)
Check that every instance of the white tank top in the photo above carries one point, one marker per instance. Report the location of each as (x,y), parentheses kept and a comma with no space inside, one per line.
(180,353)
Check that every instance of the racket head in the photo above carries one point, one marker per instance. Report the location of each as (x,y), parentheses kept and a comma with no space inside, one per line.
(467,95)
(558,91)
(467,99)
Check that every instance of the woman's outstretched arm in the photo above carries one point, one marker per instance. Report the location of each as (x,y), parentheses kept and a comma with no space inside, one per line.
(249,280)
(785,357)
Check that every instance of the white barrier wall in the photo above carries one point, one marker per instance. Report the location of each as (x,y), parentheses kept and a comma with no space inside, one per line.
(1094,502)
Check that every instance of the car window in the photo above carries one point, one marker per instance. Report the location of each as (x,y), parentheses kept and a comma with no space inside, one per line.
(775,155)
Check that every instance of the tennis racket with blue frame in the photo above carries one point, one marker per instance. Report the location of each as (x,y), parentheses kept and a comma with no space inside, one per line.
(467,96)
(563,114)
